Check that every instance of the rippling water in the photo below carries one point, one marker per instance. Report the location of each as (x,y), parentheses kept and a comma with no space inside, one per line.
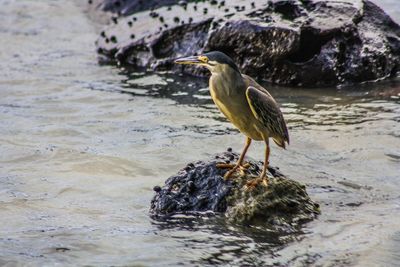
(82,145)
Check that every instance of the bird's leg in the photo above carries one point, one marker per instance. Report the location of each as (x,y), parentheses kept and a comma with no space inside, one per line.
(263,178)
(238,163)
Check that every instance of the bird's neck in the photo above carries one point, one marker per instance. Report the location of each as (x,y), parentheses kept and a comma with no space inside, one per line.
(229,81)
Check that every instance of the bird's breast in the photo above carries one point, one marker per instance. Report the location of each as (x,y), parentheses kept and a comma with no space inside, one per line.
(233,104)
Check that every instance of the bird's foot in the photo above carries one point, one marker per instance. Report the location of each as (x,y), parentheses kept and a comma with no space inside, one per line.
(225,165)
(233,168)
(229,173)
(253,183)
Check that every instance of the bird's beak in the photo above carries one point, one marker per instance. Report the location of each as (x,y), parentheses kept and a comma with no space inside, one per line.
(188,60)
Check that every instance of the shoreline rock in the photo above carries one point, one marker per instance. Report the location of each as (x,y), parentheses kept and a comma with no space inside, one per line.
(200,188)
(296,43)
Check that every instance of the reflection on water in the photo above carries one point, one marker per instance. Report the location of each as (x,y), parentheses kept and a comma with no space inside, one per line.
(224,244)
(82,145)
(182,89)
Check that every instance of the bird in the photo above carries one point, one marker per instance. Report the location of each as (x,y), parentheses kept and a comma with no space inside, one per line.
(246,104)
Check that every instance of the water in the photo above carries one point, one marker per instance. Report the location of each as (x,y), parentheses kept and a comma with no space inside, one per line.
(82,145)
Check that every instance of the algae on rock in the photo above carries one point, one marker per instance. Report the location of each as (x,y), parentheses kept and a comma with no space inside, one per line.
(284,201)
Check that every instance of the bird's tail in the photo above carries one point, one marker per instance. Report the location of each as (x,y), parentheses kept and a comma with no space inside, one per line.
(280,142)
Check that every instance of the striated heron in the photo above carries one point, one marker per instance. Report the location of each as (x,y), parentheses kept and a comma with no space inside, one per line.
(246,104)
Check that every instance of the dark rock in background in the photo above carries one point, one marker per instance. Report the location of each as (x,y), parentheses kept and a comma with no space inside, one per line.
(290,42)
(128,7)
(200,187)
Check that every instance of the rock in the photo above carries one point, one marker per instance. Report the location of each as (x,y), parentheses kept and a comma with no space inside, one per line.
(128,7)
(288,42)
(200,187)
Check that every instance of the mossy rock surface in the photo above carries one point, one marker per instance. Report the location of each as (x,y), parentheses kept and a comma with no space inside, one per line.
(200,188)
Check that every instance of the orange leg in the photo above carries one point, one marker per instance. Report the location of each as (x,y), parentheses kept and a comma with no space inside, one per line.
(263,178)
(266,160)
(238,163)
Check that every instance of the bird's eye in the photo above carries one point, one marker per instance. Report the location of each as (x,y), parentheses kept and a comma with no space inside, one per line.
(203,59)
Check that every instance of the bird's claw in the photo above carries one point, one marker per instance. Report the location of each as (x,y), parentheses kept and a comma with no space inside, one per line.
(242,172)
(246,166)
(229,173)
(233,168)
(225,166)
(253,183)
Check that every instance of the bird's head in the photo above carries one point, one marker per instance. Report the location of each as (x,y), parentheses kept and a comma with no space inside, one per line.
(215,61)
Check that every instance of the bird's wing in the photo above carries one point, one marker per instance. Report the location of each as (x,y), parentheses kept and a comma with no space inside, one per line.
(267,111)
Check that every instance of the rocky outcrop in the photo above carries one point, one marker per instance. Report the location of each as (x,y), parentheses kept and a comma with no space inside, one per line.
(200,187)
(289,42)
(128,7)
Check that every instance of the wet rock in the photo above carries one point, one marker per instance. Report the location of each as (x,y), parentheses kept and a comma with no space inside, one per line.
(288,42)
(128,7)
(200,187)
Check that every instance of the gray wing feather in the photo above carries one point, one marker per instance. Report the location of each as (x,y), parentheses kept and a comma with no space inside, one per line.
(267,111)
